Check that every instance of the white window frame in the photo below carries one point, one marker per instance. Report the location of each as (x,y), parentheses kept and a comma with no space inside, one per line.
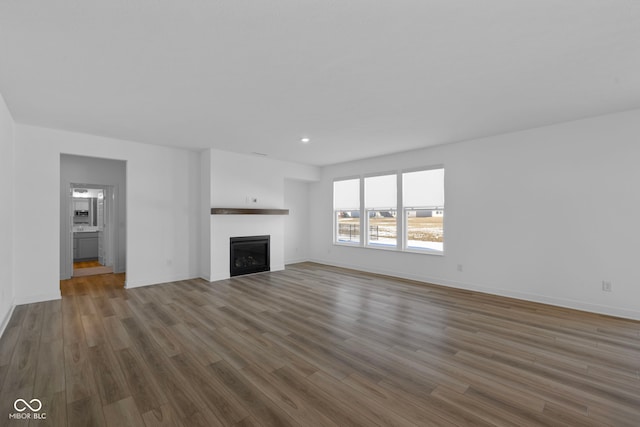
(335,211)
(365,212)
(406,209)
(401,215)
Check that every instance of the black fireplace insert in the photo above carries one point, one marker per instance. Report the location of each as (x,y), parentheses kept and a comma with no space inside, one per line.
(249,255)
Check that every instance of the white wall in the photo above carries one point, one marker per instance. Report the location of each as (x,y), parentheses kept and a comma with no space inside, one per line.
(296,224)
(236,179)
(204,241)
(545,215)
(92,170)
(162,209)
(6,213)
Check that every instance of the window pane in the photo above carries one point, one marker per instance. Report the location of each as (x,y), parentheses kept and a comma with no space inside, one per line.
(348,226)
(380,198)
(383,227)
(346,207)
(424,229)
(346,195)
(423,188)
(380,192)
(423,200)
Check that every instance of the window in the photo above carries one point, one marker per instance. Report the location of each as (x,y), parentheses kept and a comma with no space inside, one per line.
(381,200)
(423,203)
(402,211)
(346,210)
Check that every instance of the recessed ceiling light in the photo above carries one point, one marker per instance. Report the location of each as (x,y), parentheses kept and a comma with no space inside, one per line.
(305,140)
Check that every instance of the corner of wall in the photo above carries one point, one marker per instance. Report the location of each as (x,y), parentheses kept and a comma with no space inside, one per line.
(6,318)
(7,214)
(559,261)
(204,260)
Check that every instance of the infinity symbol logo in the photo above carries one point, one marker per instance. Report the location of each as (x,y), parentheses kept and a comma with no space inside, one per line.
(26,405)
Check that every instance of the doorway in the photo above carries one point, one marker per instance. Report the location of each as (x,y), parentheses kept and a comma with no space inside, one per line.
(92,216)
(92,225)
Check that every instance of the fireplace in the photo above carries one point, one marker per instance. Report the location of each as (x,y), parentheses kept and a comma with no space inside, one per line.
(249,255)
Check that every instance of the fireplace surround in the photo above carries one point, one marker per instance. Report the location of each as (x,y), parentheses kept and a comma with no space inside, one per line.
(249,254)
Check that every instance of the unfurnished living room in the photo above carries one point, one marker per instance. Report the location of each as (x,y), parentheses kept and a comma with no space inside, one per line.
(319,213)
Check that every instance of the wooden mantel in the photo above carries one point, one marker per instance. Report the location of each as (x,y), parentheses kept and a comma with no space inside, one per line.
(245,211)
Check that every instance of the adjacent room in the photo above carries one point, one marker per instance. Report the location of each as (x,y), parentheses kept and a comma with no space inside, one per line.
(244,213)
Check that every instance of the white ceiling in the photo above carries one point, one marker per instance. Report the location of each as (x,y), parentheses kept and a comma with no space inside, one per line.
(359,77)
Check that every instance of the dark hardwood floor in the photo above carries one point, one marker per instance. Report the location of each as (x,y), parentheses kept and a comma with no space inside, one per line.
(314,346)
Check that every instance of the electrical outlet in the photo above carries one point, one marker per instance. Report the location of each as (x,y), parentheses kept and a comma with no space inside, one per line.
(606,286)
(459,267)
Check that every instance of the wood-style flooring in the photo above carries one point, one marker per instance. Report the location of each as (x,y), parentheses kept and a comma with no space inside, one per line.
(86,264)
(314,346)
(90,268)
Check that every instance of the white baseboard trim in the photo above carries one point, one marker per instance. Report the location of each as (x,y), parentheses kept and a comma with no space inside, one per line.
(296,261)
(150,282)
(218,277)
(278,267)
(31,299)
(543,299)
(7,317)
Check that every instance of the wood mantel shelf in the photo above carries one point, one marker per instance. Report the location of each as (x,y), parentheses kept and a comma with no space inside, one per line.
(245,211)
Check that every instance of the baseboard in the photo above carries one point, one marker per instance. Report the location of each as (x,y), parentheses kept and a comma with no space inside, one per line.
(218,277)
(543,299)
(130,284)
(6,319)
(31,299)
(278,267)
(296,261)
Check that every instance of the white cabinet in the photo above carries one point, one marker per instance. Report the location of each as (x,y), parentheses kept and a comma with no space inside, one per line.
(85,246)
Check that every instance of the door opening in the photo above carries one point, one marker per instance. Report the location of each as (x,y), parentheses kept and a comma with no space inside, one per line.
(91,226)
(97,209)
